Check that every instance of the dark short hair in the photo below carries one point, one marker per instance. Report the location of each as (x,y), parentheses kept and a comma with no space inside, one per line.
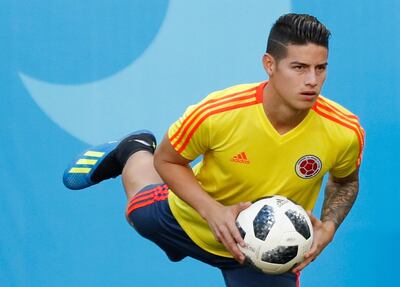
(296,29)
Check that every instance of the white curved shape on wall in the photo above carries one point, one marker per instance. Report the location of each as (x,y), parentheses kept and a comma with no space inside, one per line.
(202,46)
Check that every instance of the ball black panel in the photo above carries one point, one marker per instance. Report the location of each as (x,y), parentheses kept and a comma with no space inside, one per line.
(299,223)
(280,254)
(241,230)
(263,222)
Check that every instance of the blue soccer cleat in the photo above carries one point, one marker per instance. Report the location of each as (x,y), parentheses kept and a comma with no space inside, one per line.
(106,161)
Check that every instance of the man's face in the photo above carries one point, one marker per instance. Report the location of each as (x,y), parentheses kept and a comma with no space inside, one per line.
(298,78)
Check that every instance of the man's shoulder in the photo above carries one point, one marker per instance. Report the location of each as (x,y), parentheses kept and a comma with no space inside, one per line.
(338,120)
(235,91)
(334,112)
(228,99)
(324,101)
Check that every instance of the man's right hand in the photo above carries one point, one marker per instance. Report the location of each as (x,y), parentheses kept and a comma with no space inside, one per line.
(222,222)
(177,173)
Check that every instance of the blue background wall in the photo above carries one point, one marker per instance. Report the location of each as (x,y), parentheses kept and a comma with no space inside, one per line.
(74,73)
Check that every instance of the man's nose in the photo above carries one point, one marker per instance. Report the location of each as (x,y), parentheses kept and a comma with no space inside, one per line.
(311,79)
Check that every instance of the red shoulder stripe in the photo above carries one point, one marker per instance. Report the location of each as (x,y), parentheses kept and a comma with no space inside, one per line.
(213,112)
(204,110)
(339,115)
(356,128)
(353,120)
(203,105)
(185,127)
(320,99)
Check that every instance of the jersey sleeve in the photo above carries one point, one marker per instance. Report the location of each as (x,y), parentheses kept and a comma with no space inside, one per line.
(350,159)
(189,135)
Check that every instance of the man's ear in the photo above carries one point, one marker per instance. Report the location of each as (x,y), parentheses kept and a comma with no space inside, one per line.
(269,64)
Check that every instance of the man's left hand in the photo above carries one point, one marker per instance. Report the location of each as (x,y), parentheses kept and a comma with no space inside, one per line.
(323,235)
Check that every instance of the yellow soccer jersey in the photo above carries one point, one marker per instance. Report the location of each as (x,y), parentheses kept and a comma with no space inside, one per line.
(245,158)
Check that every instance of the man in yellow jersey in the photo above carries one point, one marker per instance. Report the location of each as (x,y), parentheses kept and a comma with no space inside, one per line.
(275,137)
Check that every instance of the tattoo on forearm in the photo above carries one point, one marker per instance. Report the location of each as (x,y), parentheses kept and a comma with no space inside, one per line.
(339,198)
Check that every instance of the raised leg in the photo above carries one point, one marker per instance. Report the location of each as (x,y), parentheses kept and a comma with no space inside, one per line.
(139,172)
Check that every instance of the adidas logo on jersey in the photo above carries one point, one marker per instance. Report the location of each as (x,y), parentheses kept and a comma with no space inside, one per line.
(240,158)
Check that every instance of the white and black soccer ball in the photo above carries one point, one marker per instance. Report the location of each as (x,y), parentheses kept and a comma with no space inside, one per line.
(277,233)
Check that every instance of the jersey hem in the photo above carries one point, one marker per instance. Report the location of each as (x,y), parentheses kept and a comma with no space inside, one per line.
(185,228)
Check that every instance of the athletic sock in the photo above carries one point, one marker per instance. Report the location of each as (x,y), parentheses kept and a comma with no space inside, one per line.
(114,162)
(132,144)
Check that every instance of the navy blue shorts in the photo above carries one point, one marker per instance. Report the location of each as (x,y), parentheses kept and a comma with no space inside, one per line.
(149,213)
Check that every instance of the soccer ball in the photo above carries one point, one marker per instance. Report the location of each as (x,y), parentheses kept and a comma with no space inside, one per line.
(277,233)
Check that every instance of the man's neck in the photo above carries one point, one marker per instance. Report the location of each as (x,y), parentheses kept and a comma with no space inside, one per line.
(282,117)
